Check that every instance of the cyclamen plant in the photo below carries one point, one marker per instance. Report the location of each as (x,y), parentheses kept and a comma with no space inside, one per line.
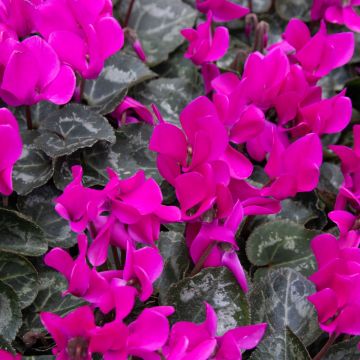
(252,142)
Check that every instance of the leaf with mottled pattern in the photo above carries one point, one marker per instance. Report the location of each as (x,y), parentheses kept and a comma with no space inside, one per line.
(71,128)
(216,286)
(282,243)
(40,207)
(158,24)
(10,312)
(18,273)
(19,235)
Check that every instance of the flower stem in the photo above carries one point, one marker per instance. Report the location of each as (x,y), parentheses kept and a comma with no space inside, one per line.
(203,258)
(250,5)
(128,13)
(28,117)
(326,347)
(116,257)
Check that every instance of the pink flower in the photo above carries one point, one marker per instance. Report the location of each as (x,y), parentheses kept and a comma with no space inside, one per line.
(142,338)
(79,205)
(189,341)
(4,355)
(33,72)
(131,111)
(337,12)
(262,87)
(327,116)
(320,54)
(10,149)
(215,245)
(83,33)
(295,168)
(338,286)
(71,333)
(205,46)
(223,10)
(348,225)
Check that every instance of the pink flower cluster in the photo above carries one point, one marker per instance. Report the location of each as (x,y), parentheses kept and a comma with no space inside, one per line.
(338,277)
(127,212)
(205,159)
(44,44)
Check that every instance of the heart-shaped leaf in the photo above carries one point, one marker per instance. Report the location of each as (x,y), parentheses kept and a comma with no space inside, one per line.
(280,299)
(347,349)
(18,273)
(121,72)
(10,313)
(216,286)
(71,128)
(19,235)
(282,243)
(34,168)
(40,207)
(158,24)
(129,154)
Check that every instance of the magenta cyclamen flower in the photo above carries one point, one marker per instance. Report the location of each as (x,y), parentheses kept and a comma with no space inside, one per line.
(78,204)
(10,149)
(32,72)
(205,46)
(337,12)
(108,289)
(217,242)
(83,33)
(143,338)
(320,54)
(72,333)
(223,10)
(189,341)
(295,168)
(131,111)
(135,214)
(338,286)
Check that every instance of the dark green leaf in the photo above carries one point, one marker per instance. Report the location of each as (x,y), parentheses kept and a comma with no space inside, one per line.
(10,313)
(129,154)
(345,350)
(294,9)
(282,243)
(216,286)
(19,235)
(170,95)
(49,298)
(158,24)
(40,207)
(18,273)
(34,168)
(286,346)
(71,128)
(121,72)
(38,111)
(280,299)
(176,260)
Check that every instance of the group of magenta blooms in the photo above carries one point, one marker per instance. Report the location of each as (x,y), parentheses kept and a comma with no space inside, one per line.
(45,43)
